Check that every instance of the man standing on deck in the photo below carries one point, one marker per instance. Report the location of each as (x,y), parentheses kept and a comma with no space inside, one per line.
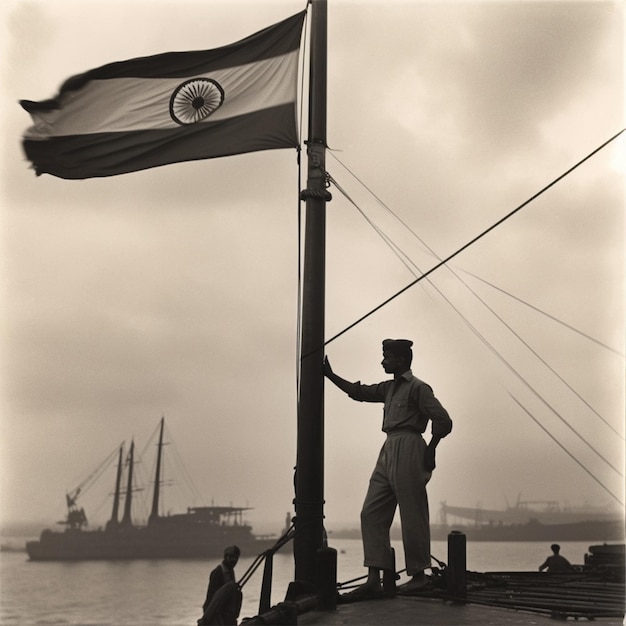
(404,466)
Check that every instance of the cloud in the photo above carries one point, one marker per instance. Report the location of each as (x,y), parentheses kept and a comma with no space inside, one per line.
(174,291)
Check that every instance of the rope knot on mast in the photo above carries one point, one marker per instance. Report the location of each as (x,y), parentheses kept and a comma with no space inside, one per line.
(321,194)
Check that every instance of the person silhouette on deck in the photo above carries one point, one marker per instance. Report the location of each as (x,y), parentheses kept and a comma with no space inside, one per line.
(555,562)
(223,597)
(403,469)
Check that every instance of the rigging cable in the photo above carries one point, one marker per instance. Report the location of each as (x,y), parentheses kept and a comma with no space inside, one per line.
(398,253)
(563,448)
(591,408)
(93,478)
(472,241)
(552,317)
(507,293)
(546,364)
(299,278)
(96,473)
(403,258)
(501,357)
(299,222)
(178,473)
(182,469)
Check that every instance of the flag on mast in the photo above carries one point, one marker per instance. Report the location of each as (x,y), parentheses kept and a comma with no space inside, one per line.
(172,107)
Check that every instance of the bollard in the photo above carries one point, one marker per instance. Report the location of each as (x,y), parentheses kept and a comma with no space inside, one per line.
(326,579)
(457,566)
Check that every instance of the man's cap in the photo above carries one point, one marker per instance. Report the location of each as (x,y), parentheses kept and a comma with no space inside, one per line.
(397,346)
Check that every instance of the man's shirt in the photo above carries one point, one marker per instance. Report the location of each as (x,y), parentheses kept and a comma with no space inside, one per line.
(409,404)
(556,563)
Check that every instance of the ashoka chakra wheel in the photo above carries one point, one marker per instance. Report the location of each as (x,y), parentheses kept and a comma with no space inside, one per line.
(195,100)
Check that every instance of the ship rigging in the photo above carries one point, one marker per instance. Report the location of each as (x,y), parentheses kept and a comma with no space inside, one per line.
(200,532)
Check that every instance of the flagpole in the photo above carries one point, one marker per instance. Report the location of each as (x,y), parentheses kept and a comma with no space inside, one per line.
(309,480)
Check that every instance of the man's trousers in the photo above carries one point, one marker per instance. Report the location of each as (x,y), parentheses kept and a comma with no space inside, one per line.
(399,479)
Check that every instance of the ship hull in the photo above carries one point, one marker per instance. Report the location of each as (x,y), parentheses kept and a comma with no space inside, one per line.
(143,543)
(535,531)
(531,531)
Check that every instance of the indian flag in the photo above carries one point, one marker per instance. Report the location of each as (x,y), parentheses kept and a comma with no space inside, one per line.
(172,107)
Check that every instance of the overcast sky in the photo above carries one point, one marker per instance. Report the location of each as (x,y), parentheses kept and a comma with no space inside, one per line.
(173,292)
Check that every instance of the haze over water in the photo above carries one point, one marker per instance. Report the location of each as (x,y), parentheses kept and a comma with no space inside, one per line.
(170,593)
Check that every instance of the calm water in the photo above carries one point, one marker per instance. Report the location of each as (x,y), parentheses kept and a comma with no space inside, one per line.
(170,593)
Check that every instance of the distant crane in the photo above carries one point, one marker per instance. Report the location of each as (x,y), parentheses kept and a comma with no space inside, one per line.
(76,518)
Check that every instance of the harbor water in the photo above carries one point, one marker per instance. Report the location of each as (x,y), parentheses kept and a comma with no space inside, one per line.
(171,592)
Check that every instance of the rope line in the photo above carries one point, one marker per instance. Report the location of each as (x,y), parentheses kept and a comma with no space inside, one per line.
(91,479)
(404,259)
(499,355)
(402,256)
(299,221)
(545,313)
(182,469)
(493,312)
(280,542)
(348,584)
(473,241)
(564,448)
(299,281)
(546,364)
(486,282)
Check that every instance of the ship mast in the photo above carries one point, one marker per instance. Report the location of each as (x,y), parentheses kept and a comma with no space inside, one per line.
(309,480)
(116,497)
(154,514)
(126,519)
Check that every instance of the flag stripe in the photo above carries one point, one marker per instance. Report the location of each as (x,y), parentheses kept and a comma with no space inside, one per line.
(125,104)
(108,154)
(270,42)
(173,107)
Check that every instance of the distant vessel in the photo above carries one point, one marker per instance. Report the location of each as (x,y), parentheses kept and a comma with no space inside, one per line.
(609,530)
(530,520)
(525,521)
(201,532)
(524,511)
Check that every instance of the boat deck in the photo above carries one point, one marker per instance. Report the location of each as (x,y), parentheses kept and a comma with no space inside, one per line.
(495,598)
(402,610)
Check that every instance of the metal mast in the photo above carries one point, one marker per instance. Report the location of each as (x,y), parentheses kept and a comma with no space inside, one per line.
(154,514)
(309,481)
(116,497)
(126,518)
